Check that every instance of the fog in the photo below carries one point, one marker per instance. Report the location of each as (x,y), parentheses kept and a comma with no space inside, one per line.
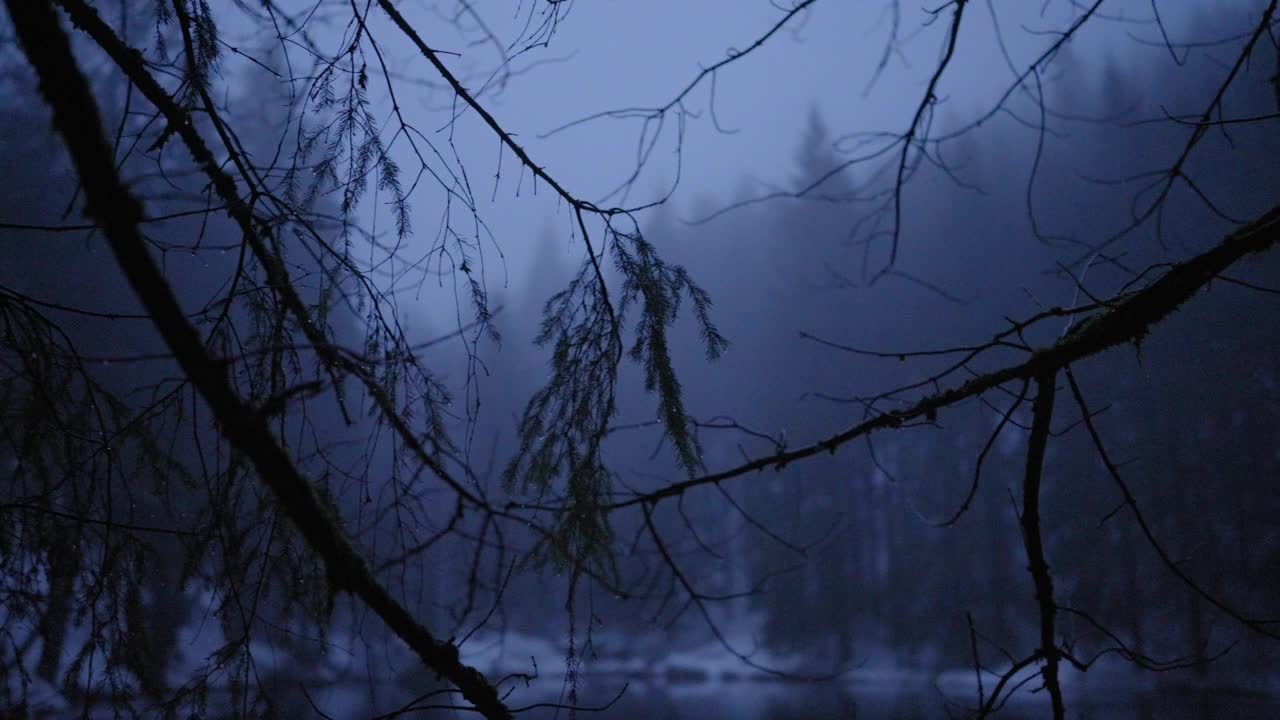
(794,569)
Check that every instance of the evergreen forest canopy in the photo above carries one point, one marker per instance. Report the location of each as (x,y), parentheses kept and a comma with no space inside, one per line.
(979,381)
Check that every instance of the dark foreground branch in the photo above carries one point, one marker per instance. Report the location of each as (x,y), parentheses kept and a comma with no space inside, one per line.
(255,232)
(118,213)
(1033,538)
(1128,320)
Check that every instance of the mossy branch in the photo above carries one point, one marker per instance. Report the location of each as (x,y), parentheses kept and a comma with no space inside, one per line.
(119,213)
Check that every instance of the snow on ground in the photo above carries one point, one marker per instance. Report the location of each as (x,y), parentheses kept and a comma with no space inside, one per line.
(649,665)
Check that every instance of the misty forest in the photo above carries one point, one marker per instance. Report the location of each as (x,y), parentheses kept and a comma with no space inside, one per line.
(695,360)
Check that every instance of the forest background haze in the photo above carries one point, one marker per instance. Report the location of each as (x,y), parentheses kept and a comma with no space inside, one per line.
(676,359)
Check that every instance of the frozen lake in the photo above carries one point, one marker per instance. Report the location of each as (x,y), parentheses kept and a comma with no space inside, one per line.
(758,701)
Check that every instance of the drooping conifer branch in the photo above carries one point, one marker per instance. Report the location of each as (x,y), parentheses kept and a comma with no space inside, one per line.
(119,213)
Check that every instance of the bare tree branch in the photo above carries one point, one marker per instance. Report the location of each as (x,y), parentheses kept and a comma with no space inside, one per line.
(119,214)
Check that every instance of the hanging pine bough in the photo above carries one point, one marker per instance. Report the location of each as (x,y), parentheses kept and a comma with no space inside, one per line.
(582,532)
(566,422)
